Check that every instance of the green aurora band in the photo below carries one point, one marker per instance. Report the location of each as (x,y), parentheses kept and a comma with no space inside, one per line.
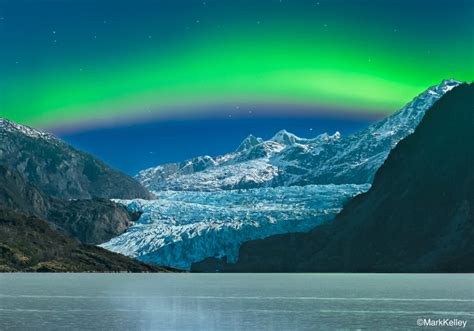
(344,64)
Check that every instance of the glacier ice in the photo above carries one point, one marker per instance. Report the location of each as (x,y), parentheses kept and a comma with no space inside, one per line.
(180,228)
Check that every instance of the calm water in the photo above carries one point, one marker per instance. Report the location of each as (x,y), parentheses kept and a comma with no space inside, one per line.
(232,301)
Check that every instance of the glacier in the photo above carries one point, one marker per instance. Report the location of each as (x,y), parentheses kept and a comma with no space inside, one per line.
(180,228)
(208,206)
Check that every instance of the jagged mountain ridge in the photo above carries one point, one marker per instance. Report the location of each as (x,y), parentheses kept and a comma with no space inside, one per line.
(418,215)
(287,160)
(58,169)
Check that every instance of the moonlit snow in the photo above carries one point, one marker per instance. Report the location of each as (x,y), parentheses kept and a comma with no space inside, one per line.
(286,160)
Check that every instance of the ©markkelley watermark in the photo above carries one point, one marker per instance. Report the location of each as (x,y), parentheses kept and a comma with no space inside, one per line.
(445,322)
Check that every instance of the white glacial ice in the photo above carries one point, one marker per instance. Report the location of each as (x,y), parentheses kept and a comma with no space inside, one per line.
(185,227)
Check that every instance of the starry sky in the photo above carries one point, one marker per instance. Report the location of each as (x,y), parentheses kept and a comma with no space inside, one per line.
(139,83)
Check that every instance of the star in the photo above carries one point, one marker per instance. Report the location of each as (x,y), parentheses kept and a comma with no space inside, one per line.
(54,32)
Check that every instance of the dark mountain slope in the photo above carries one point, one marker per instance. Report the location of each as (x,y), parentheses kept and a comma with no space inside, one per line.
(43,177)
(417,217)
(59,170)
(29,244)
(16,194)
(91,221)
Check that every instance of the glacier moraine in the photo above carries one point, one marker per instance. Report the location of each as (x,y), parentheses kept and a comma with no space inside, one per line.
(180,228)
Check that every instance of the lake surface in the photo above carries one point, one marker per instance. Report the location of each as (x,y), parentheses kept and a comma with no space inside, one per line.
(233,301)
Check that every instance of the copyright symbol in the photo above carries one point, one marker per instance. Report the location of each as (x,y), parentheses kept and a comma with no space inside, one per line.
(419,322)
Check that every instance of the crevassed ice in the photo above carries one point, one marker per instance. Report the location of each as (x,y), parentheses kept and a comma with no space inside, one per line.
(181,228)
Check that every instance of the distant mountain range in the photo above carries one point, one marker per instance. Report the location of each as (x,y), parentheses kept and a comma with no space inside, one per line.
(262,189)
(287,160)
(418,215)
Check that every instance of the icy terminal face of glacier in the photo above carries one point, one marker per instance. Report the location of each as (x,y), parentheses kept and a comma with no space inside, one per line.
(181,228)
(287,160)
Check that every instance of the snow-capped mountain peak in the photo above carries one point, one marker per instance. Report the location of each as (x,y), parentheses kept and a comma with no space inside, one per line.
(287,159)
(285,138)
(410,115)
(13,127)
(447,85)
(325,137)
(249,142)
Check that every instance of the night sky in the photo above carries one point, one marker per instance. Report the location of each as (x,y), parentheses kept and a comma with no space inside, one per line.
(139,83)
